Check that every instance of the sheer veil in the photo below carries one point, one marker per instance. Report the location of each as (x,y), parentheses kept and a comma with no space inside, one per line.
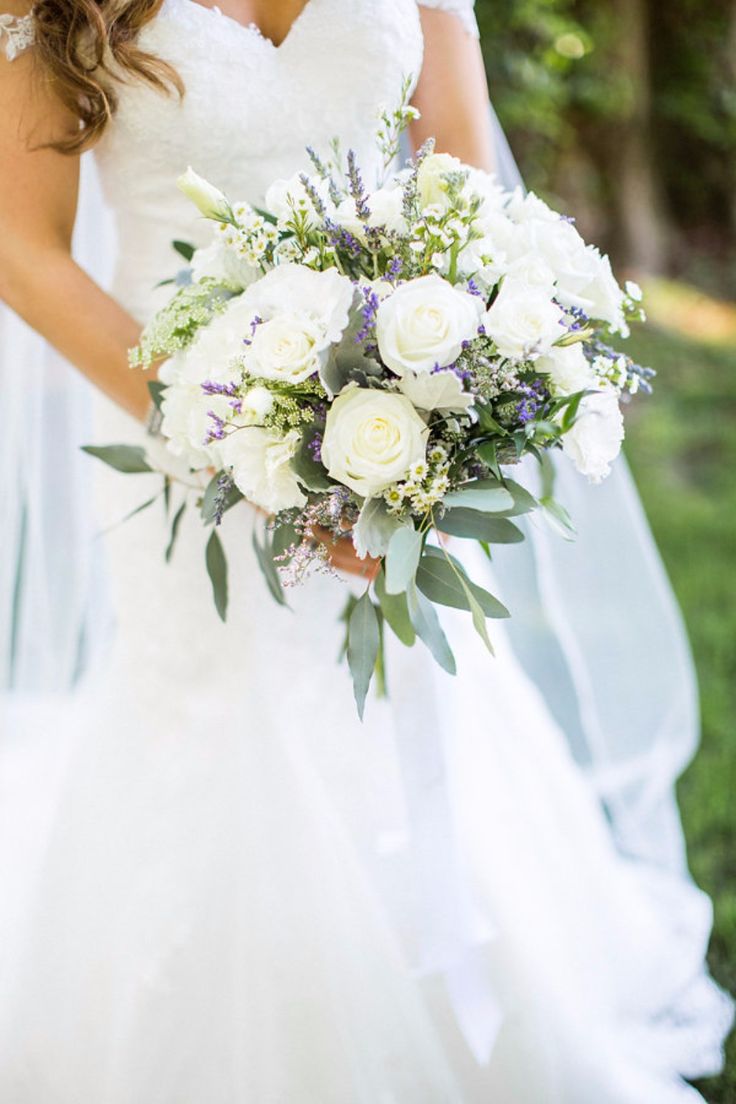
(594,621)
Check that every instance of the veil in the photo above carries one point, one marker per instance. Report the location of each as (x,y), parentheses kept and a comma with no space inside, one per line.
(594,620)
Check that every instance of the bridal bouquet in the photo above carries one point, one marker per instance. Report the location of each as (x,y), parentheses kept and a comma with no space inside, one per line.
(370,363)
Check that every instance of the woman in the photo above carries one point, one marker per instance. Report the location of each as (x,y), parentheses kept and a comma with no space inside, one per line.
(245,895)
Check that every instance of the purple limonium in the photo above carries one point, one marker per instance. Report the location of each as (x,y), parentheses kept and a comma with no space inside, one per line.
(369,310)
(456,368)
(357,188)
(473,288)
(534,395)
(217,429)
(212,387)
(341,238)
(315,447)
(393,271)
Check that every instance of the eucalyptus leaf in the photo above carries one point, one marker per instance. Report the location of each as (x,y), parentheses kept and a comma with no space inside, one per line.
(488,453)
(402,558)
(264,555)
(309,471)
(156,389)
(473,525)
(363,645)
(184,249)
(478,615)
(427,626)
(487,495)
(217,571)
(129,459)
(443,580)
(558,518)
(283,537)
(374,528)
(174,532)
(524,502)
(395,610)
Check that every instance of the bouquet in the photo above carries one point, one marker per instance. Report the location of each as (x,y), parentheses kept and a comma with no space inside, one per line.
(372,362)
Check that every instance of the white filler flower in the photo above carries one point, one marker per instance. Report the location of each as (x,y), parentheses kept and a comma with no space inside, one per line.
(371,439)
(596,436)
(424,323)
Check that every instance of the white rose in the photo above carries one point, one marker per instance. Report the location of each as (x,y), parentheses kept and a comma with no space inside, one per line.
(424,323)
(287,348)
(568,369)
(209,200)
(285,197)
(523,321)
(431,178)
(386,208)
(595,438)
(261,467)
(436,391)
(604,297)
(528,207)
(218,262)
(371,439)
(324,297)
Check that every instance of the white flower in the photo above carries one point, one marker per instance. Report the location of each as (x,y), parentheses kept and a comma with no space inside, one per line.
(371,439)
(604,297)
(209,200)
(424,323)
(217,350)
(256,404)
(186,424)
(523,320)
(222,263)
(261,467)
(294,289)
(436,391)
(285,348)
(633,291)
(386,208)
(596,435)
(431,178)
(568,369)
(285,197)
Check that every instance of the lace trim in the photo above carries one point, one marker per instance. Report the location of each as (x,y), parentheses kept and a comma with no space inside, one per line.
(19,32)
(463,9)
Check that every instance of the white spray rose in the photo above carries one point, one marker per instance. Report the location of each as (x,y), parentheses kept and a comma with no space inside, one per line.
(371,439)
(523,321)
(596,436)
(386,208)
(424,323)
(568,369)
(285,348)
(261,467)
(324,297)
(209,200)
(603,296)
(431,178)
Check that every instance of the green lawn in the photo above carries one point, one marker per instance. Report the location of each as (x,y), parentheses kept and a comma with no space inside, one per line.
(682,446)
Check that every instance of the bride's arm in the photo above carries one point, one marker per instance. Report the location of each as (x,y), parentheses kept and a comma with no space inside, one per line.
(38,278)
(452,93)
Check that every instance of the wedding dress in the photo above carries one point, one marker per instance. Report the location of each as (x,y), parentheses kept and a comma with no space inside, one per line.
(227,890)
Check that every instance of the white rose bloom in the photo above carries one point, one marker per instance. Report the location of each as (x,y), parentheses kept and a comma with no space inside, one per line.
(523,321)
(431,182)
(209,200)
(568,369)
(534,271)
(424,323)
(371,439)
(603,293)
(527,207)
(261,467)
(219,262)
(596,436)
(287,348)
(294,289)
(284,197)
(386,208)
(436,391)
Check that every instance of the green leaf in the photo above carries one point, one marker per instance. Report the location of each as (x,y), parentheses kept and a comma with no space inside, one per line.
(478,615)
(309,471)
(443,580)
(217,571)
(264,555)
(129,459)
(174,532)
(402,558)
(363,644)
(395,610)
(558,518)
(487,422)
(524,502)
(487,495)
(427,626)
(282,537)
(156,390)
(473,525)
(184,249)
(488,452)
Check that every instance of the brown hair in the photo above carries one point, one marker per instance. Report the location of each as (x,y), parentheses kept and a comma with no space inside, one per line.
(89,46)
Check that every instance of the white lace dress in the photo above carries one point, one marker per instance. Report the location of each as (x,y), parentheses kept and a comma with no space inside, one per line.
(247,897)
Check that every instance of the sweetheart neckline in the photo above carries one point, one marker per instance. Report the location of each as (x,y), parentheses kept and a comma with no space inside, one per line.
(252,28)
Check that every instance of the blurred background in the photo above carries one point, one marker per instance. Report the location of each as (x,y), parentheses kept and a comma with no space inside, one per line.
(623,113)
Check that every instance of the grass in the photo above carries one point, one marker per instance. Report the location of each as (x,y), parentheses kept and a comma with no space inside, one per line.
(682,447)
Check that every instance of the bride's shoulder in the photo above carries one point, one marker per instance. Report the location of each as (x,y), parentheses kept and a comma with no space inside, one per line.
(16,28)
(464,9)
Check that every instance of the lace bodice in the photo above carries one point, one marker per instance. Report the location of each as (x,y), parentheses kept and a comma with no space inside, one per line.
(248,112)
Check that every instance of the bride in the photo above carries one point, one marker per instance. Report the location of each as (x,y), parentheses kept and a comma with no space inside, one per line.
(219,887)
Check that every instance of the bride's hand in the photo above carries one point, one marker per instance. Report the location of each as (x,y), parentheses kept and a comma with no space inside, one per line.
(343,556)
